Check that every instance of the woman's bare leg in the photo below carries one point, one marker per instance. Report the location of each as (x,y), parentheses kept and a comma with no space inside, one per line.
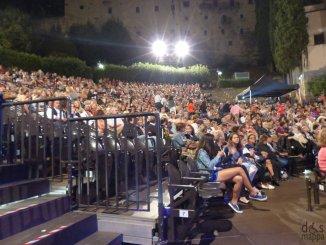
(236,188)
(269,167)
(229,173)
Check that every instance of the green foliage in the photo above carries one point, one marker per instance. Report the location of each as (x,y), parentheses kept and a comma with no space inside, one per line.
(235,83)
(112,43)
(46,45)
(144,72)
(288,32)
(32,62)
(317,85)
(15,29)
(262,32)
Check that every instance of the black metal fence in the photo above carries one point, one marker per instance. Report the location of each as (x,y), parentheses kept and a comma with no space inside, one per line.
(34,133)
(116,160)
(111,162)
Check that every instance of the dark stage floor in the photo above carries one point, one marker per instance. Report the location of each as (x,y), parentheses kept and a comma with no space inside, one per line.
(283,219)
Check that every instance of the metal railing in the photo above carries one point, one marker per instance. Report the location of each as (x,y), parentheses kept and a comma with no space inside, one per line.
(108,166)
(115,168)
(35,133)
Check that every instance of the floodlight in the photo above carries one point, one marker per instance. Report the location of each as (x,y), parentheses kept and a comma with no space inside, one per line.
(181,49)
(159,48)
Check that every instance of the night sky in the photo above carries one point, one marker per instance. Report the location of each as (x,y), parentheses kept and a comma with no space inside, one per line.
(37,8)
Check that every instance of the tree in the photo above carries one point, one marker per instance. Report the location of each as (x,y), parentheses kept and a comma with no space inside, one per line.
(15,29)
(262,32)
(116,42)
(288,33)
(85,39)
(112,43)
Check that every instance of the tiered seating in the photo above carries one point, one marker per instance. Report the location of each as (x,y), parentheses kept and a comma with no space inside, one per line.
(195,204)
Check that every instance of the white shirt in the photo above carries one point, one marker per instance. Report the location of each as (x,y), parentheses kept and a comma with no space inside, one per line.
(164,102)
(56,116)
(110,122)
(157,98)
(195,126)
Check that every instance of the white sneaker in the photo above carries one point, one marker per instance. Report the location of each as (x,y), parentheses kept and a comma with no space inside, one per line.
(267,186)
(244,200)
(270,187)
(264,186)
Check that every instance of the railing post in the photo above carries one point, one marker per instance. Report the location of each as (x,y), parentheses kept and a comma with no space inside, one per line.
(159,176)
(316,189)
(308,185)
(69,140)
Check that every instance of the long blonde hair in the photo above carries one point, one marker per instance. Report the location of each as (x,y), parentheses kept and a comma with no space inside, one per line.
(321,138)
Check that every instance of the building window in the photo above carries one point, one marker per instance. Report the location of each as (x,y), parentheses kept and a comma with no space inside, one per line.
(232,3)
(222,31)
(206,17)
(241,16)
(215,3)
(137,10)
(81,7)
(110,10)
(241,31)
(250,1)
(173,7)
(186,18)
(186,4)
(138,33)
(230,43)
(223,19)
(157,8)
(319,39)
(205,32)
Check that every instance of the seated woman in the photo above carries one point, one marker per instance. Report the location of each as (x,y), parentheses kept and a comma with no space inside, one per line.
(268,159)
(207,158)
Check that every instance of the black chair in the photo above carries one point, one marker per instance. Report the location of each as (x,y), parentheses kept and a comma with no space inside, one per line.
(206,189)
(187,215)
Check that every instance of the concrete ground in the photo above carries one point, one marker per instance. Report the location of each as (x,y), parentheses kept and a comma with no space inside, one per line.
(283,219)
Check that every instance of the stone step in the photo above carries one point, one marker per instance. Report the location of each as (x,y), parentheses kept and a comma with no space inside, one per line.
(22,215)
(13,172)
(102,238)
(135,230)
(19,190)
(67,229)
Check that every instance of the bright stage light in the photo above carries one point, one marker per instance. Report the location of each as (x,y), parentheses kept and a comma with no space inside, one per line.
(181,49)
(100,66)
(159,48)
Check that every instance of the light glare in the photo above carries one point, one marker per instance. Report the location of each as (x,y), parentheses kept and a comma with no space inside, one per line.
(159,48)
(181,49)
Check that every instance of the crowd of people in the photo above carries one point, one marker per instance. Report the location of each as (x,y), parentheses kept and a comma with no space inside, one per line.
(256,145)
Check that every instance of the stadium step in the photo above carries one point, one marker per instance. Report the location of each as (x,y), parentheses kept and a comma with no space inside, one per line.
(19,216)
(67,229)
(135,229)
(19,190)
(102,238)
(13,172)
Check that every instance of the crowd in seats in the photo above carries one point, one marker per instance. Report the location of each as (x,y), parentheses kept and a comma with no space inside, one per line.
(255,146)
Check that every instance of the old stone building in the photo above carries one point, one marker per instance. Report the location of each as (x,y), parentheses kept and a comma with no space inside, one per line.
(219,30)
(313,59)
